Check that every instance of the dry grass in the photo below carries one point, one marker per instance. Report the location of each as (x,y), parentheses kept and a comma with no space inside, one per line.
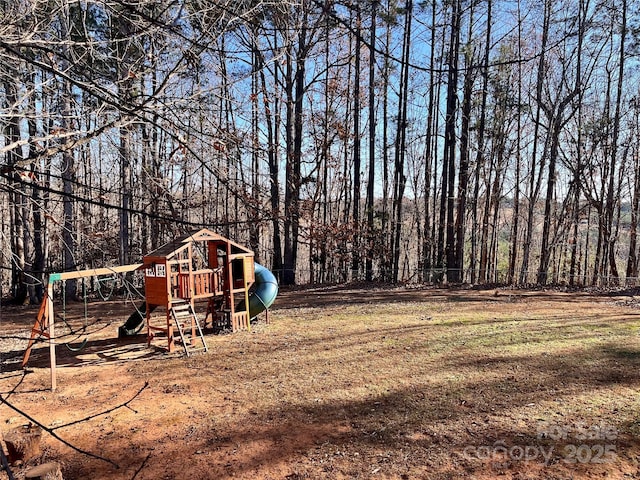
(364,383)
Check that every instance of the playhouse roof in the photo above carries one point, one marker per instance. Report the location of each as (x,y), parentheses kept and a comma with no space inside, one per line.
(203,235)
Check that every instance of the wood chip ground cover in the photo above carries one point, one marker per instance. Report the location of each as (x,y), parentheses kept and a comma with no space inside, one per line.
(351,383)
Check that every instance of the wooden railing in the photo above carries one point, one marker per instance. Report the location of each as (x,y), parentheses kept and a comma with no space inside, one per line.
(203,283)
(183,286)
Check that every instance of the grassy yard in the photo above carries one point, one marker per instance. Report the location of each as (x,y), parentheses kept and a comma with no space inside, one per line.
(348,383)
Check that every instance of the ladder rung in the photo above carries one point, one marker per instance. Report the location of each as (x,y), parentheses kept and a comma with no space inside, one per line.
(182,309)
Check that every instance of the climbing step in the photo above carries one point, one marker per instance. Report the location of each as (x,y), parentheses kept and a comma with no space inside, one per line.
(187,329)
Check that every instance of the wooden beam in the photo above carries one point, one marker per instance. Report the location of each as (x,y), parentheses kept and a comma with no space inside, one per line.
(93,272)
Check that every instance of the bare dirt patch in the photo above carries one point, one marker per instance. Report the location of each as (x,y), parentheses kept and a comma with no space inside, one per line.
(347,383)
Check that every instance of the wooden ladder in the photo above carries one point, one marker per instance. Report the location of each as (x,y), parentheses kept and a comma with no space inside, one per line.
(188,325)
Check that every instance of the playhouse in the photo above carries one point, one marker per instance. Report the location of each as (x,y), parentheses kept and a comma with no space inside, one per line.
(199,268)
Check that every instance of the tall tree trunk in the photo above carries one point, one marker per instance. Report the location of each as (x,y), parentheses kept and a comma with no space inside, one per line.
(355,265)
(456,273)
(343,240)
(632,259)
(125,193)
(271,114)
(612,196)
(480,157)
(370,200)
(483,265)
(296,87)
(16,196)
(501,155)
(515,222)
(325,153)
(427,246)
(446,229)
(400,178)
(582,13)
(39,234)
(535,181)
(125,92)
(156,194)
(557,120)
(385,252)
(254,222)
(68,170)
(545,252)
(36,290)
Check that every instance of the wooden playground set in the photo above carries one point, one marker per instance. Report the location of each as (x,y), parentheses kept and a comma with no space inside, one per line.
(200,266)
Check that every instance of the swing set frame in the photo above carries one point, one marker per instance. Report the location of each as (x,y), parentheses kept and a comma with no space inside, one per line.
(45,322)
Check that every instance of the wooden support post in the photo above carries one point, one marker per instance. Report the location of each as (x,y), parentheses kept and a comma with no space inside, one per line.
(171,344)
(148,321)
(52,335)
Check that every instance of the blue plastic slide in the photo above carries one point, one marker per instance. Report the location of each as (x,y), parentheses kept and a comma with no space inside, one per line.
(265,291)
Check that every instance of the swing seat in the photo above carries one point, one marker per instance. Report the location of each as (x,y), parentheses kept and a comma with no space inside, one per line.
(79,347)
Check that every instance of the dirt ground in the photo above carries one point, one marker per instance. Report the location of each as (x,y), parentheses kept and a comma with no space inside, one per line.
(347,382)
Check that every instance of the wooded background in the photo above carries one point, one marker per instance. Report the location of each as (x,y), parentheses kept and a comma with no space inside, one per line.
(441,141)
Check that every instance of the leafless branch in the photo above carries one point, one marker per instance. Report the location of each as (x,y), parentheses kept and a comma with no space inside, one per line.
(52,430)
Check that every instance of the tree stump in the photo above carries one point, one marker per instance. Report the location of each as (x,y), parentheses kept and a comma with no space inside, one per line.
(46,471)
(23,443)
